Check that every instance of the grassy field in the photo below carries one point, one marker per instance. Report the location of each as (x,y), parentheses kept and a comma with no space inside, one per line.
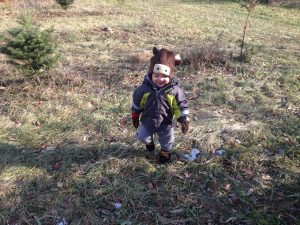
(67,146)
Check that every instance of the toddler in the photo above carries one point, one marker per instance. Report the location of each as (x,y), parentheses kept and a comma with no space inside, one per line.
(158,102)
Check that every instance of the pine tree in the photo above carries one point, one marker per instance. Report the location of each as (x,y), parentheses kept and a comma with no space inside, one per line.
(65,3)
(28,47)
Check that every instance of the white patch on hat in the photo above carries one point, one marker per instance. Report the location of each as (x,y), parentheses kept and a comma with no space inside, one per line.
(163,69)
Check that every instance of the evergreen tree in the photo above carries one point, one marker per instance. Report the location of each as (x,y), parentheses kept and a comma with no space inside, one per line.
(65,3)
(28,47)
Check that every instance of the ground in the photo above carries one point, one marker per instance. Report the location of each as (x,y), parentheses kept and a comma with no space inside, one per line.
(67,146)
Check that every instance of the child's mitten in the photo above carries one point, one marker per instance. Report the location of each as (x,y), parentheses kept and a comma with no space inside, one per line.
(185,122)
(135,116)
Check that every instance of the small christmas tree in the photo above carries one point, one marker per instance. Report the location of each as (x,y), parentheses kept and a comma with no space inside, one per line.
(65,3)
(28,47)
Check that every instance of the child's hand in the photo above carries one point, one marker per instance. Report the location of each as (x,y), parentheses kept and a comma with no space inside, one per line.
(185,124)
(135,116)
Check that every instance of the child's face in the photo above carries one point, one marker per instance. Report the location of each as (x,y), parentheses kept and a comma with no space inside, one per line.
(160,80)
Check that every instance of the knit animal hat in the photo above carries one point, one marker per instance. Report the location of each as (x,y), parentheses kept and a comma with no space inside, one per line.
(164,61)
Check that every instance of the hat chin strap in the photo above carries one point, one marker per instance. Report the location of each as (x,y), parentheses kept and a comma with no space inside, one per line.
(161,68)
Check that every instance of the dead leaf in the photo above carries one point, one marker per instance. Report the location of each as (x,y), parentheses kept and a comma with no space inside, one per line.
(178,176)
(56,166)
(144,174)
(231,219)
(231,142)
(122,123)
(115,182)
(227,187)
(187,175)
(214,185)
(50,148)
(150,186)
(68,201)
(59,184)
(85,138)
(266,177)
(43,146)
(233,198)
(250,191)
(248,172)
(105,212)
(104,180)
(177,211)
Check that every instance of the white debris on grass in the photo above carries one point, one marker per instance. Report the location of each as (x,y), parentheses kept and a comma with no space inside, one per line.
(219,152)
(62,222)
(117,205)
(192,155)
(238,141)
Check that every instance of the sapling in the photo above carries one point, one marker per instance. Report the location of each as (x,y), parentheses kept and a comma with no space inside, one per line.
(250,8)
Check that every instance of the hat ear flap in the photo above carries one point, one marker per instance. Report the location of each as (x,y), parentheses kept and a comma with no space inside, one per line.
(177,59)
(155,50)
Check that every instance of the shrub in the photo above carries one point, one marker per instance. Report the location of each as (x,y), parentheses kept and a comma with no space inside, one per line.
(211,54)
(28,47)
(65,3)
(266,1)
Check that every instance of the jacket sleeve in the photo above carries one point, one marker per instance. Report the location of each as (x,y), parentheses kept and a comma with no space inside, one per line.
(136,100)
(182,102)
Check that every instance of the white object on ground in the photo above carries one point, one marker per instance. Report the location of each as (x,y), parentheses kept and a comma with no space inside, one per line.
(117,205)
(238,141)
(62,222)
(219,152)
(192,155)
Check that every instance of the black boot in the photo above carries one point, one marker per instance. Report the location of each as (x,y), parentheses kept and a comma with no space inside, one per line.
(150,147)
(164,156)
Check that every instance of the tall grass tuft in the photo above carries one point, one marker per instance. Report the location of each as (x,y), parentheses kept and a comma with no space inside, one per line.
(211,54)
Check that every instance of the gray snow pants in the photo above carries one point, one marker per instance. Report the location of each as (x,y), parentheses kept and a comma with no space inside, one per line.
(166,137)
